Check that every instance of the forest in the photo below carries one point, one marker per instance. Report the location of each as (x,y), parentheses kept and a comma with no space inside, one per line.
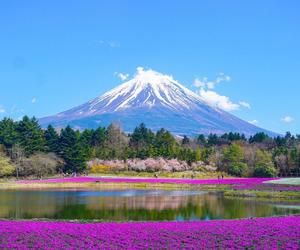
(28,150)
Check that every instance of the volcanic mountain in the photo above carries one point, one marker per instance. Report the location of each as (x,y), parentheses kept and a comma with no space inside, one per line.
(156,100)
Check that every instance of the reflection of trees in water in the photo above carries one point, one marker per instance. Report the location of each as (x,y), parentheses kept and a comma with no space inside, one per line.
(62,205)
(208,206)
(26,204)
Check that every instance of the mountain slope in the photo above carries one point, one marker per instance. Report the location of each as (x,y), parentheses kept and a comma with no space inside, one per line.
(158,101)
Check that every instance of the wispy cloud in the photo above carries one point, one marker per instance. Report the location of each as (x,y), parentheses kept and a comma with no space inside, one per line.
(214,99)
(16,111)
(122,76)
(254,122)
(111,44)
(33,100)
(205,83)
(287,119)
(245,104)
(2,109)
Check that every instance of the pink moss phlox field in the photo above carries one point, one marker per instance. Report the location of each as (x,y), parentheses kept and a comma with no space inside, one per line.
(258,233)
(239,182)
(236,183)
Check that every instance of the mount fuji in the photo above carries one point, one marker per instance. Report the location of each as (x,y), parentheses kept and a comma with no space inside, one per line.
(157,100)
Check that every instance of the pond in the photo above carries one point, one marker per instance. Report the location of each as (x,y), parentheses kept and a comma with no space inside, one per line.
(134,205)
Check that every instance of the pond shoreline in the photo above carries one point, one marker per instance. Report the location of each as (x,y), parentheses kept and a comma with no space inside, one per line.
(234,187)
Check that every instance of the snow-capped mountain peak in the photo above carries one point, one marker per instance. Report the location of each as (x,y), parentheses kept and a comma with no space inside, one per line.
(157,100)
(148,88)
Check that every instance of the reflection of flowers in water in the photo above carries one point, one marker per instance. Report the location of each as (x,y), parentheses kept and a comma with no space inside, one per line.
(150,202)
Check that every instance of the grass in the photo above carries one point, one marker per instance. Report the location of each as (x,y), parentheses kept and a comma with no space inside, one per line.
(287,181)
(112,185)
(282,195)
(185,174)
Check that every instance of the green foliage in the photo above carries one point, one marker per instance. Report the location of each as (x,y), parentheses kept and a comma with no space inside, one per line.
(263,158)
(30,135)
(141,140)
(99,137)
(206,154)
(198,155)
(234,137)
(259,137)
(237,169)
(51,140)
(232,160)
(165,144)
(201,140)
(233,154)
(8,133)
(185,141)
(6,168)
(86,141)
(264,171)
(229,152)
(71,151)
(187,154)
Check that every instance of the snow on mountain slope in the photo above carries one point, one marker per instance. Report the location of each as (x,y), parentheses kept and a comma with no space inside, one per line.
(157,100)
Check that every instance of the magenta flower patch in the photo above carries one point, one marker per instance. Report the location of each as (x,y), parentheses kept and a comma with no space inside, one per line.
(259,233)
(229,181)
(236,183)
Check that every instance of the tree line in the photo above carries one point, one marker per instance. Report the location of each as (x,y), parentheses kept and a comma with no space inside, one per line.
(36,151)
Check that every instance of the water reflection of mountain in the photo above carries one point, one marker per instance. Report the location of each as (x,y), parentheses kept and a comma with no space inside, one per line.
(80,205)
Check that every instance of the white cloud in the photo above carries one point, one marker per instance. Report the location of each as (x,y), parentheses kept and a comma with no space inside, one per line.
(245,104)
(199,83)
(204,83)
(33,100)
(2,109)
(223,78)
(122,76)
(254,122)
(287,119)
(215,100)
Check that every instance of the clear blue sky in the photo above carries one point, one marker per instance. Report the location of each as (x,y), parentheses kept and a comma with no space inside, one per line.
(58,54)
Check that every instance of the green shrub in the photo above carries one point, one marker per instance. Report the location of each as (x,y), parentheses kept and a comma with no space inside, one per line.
(6,168)
(237,169)
(264,171)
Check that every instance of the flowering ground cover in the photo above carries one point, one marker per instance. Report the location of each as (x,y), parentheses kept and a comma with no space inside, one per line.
(228,181)
(258,233)
(259,184)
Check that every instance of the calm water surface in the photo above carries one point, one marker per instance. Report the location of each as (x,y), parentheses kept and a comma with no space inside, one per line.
(134,205)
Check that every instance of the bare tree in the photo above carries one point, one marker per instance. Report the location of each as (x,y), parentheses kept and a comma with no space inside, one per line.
(17,154)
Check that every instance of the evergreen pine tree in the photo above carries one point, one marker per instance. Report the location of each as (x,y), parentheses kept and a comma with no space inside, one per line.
(52,140)
(31,137)
(71,151)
